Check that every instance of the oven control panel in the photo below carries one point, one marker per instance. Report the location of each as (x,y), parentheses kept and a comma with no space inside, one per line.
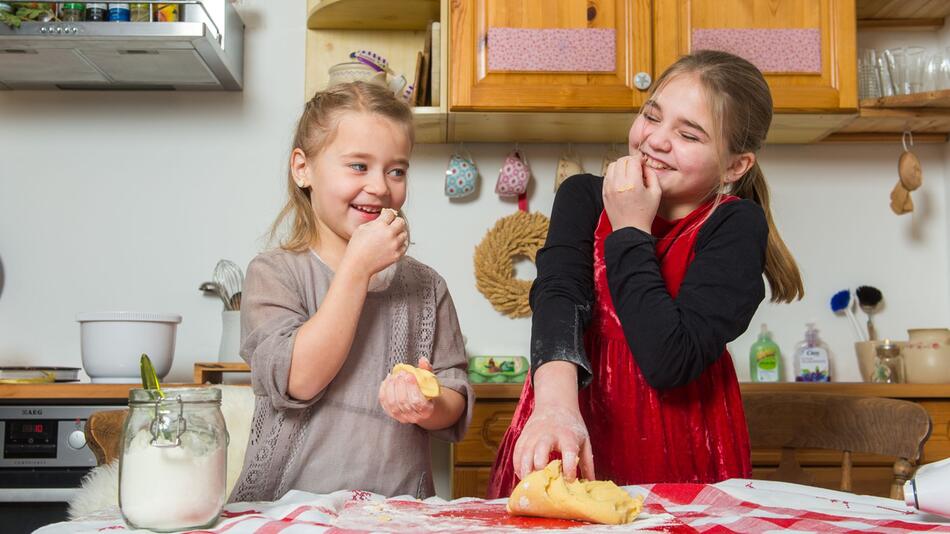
(45,436)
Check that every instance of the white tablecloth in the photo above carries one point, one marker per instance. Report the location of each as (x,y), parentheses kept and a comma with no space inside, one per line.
(736,505)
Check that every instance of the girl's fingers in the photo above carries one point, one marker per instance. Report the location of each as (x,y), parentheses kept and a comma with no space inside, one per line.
(402,395)
(425,364)
(569,457)
(517,457)
(587,460)
(385,397)
(542,454)
(398,224)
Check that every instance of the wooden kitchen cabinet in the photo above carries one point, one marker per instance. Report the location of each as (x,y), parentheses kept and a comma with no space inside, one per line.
(481,105)
(472,457)
(832,90)
(476,85)
(650,35)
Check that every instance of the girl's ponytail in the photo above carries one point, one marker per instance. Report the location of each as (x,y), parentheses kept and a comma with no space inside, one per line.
(740,97)
(781,271)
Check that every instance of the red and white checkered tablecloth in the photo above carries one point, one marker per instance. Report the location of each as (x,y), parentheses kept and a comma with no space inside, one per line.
(742,506)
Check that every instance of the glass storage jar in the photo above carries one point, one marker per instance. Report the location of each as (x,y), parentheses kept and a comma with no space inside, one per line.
(173,465)
(889,366)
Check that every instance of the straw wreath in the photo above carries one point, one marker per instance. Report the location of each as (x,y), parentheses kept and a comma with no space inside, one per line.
(520,234)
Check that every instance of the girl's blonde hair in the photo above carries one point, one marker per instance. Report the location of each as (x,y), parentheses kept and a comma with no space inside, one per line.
(740,99)
(315,130)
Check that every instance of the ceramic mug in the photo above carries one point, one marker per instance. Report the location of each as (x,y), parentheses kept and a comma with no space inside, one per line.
(461,176)
(514,175)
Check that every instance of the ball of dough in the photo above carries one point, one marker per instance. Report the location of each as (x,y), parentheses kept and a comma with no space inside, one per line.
(428,383)
(545,493)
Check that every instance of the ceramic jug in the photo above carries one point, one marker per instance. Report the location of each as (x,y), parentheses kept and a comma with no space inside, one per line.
(927,356)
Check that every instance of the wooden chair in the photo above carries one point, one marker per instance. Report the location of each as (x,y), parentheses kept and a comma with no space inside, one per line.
(104,434)
(790,421)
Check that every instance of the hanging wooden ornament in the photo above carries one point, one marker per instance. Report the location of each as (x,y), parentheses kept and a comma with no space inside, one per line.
(910,178)
(568,165)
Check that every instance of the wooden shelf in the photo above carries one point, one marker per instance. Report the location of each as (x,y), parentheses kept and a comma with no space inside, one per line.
(498,391)
(904,25)
(902,9)
(897,120)
(883,137)
(864,389)
(930,99)
(385,14)
(902,15)
(896,391)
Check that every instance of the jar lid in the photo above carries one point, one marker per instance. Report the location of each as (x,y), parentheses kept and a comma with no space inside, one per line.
(887,349)
(172,395)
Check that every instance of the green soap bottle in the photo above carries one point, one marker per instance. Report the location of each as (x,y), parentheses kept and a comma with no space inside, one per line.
(765,358)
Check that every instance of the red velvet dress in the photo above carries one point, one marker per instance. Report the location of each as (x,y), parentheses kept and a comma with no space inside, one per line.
(693,433)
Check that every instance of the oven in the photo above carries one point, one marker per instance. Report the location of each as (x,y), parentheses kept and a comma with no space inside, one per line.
(43,458)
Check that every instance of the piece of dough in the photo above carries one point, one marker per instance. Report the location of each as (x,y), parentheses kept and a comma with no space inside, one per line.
(428,383)
(544,493)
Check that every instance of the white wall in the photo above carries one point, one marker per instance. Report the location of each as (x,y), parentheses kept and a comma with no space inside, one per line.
(115,201)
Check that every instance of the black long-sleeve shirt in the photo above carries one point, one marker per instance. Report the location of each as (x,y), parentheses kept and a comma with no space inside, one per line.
(673,340)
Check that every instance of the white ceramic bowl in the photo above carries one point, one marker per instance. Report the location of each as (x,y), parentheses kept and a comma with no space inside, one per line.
(113,343)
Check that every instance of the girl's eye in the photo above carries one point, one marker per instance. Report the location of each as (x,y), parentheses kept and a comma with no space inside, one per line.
(399,173)
(690,137)
(359,167)
(651,118)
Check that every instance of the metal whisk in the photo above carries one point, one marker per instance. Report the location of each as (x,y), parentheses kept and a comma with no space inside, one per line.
(230,280)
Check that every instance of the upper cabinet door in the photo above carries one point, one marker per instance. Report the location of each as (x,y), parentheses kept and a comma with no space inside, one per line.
(536,55)
(805,48)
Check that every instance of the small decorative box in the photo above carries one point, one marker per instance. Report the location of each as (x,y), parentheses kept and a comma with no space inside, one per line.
(497,369)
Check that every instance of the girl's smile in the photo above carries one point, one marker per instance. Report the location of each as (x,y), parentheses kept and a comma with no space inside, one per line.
(360,172)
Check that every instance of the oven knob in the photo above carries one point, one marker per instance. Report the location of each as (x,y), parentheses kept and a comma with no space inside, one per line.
(76,439)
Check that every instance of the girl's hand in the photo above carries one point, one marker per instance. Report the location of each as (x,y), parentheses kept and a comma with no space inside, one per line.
(401,398)
(377,244)
(554,428)
(631,197)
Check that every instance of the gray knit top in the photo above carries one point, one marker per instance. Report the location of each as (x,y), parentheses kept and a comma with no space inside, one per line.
(342,438)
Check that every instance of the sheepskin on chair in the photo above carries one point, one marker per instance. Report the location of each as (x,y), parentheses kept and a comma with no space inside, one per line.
(100,488)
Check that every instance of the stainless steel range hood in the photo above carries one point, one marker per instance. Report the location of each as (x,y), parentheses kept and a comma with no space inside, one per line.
(204,52)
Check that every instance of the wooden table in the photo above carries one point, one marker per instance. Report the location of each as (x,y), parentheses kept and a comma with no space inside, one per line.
(472,457)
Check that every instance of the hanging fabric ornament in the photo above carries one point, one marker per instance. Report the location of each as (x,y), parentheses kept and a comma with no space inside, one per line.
(568,165)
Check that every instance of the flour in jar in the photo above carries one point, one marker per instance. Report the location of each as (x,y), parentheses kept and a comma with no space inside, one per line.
(174,487)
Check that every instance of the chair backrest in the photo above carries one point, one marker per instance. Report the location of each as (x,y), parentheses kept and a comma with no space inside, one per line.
(790,421)
(104,434)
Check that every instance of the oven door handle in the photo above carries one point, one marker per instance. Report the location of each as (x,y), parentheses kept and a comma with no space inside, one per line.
(37,494)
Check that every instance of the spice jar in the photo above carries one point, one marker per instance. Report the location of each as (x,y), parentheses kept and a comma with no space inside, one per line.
(889,366)
(173,467)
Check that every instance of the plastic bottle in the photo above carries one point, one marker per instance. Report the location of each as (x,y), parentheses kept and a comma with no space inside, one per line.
(812,358)
(765,358)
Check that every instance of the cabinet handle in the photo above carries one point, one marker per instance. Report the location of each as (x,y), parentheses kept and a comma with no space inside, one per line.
(642,81)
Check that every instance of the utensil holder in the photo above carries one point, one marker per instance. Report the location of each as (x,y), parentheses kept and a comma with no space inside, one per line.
(229,350)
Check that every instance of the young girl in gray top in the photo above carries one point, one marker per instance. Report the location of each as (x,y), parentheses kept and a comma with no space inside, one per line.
(327,315)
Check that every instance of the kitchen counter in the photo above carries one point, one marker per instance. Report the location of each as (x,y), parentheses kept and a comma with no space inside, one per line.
(70,391)
(472,457)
